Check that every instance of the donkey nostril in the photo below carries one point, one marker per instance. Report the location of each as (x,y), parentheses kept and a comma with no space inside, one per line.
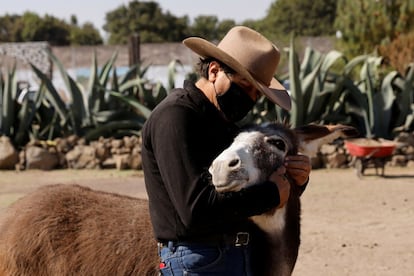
(234,162)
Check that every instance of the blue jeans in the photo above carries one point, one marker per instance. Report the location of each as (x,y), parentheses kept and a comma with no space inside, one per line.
(199,259)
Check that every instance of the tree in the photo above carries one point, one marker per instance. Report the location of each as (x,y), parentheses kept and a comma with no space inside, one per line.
(205,26)
(86,35)
(49,28)
(224,26)
(73,20)
(365,25)
(8,28)
(145,19)
(399,53)
(303,17)
(117,26)
(31,27)
(174,28)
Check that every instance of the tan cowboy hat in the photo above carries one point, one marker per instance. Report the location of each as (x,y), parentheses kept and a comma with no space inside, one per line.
(251,55)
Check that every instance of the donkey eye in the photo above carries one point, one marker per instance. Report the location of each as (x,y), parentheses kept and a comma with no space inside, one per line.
(278,143)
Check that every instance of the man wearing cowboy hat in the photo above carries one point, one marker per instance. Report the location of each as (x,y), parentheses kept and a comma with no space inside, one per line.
(201,231)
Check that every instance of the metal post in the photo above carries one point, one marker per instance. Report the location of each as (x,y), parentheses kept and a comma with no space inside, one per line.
(134,49)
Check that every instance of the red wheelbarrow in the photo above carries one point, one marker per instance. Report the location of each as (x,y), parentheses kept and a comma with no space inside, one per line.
(368,153)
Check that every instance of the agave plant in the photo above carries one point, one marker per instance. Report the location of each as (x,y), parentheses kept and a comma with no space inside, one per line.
(326,88)
(382,104)
(405,100)
(8,101)
(17,109)
(313,86)
(313,89)
(109,105)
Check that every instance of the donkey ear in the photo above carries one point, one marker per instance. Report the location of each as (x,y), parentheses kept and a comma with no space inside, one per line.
(312,137)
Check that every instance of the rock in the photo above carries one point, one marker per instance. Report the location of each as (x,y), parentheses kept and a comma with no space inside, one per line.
(40,159)
(316,162)
(117,144)
(22,161)
(109,163)
(63,145)
(9,157)
(328,149)
(128,142)
(336,160)
(136,161)
(102,151)
(122,161)
(398,160)
(82,157)
(406,138)
(72,140)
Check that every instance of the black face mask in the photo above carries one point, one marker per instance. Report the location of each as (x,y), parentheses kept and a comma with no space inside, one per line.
(235,103)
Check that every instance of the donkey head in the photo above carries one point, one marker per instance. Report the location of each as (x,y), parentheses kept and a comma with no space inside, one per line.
(258,151)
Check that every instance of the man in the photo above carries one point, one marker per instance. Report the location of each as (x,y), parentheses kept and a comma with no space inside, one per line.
(200,231)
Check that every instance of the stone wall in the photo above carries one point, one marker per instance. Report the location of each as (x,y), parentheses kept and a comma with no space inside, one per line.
(21,54)
(151,53)
(82,56)
(125,153)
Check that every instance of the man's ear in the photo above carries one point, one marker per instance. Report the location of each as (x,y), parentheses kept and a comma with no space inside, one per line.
(213,69)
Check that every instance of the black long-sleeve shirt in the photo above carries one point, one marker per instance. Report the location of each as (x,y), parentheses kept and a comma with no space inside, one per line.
(183,135)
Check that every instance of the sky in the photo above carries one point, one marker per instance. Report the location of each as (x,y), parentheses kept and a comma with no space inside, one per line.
(94,11)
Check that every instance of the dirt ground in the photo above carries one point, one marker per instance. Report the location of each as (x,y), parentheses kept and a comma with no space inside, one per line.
(350,226)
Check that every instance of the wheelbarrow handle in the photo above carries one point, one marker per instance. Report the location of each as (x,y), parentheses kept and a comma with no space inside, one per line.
(371,154)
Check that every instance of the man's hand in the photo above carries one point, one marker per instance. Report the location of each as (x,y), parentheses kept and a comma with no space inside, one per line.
(279,178)
(298,167)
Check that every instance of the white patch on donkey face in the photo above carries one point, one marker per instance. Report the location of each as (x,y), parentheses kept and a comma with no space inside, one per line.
(235,168)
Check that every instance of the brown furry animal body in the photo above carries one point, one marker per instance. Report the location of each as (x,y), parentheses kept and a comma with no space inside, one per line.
(73,230)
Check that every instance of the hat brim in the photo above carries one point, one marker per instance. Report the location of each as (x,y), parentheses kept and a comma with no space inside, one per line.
(276,92)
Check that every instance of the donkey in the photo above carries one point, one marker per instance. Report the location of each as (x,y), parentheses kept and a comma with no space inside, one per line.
(73,230)
(251,158)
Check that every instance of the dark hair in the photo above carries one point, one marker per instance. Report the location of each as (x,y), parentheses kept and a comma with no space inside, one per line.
(204,63)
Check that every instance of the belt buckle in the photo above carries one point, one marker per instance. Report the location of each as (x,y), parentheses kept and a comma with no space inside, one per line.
(242,238)
(169,244)
(160,245)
